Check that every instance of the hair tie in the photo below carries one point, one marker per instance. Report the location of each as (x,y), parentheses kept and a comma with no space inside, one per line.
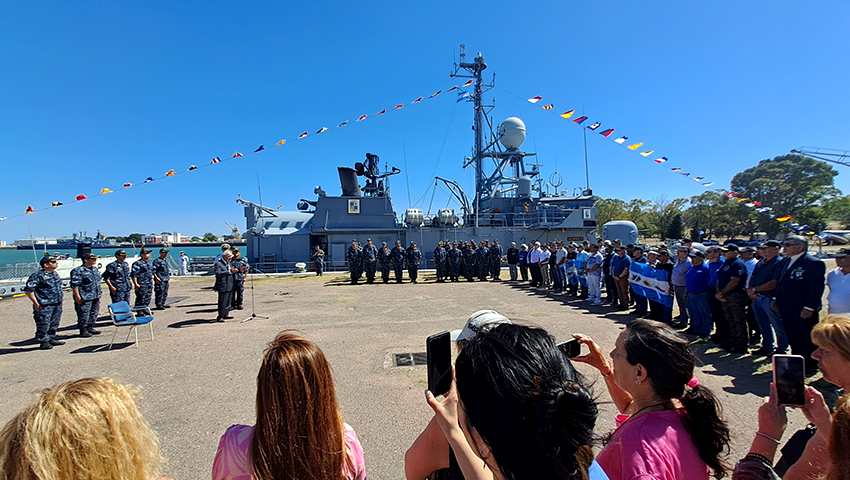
(694,381)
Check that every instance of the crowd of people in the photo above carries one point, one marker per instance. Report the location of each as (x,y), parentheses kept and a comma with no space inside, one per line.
(452,261)
(768,297)
(44,289)
(517,409)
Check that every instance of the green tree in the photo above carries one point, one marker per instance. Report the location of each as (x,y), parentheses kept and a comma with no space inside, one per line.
(210,237)
(661,213)
(135,237)
(790,185)
(165,233)
(196,239)
(838,210)
(674,230)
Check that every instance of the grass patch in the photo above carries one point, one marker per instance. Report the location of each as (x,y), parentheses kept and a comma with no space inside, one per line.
(347,298)
(540,314)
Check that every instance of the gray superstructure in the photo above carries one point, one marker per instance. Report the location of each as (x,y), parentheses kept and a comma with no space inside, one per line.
(508,204)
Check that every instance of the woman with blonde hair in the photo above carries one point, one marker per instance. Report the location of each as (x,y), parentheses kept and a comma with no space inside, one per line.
(299,433)
(825,455)
(88,428)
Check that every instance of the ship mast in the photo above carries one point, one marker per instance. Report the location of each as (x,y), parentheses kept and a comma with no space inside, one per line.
(473,70)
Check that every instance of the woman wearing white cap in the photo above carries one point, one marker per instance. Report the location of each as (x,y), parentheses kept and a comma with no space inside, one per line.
(431,451)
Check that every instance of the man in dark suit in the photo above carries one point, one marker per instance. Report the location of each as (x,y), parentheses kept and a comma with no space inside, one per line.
(224,284)
(798,297)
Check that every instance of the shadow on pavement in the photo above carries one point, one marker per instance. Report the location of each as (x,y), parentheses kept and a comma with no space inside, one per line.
(189,323)
(103,347)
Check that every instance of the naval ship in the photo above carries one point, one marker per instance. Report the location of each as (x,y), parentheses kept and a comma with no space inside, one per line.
(509,204)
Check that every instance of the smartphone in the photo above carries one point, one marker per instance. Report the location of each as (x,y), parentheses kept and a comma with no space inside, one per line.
(789,376)
(439,352)
(571,348)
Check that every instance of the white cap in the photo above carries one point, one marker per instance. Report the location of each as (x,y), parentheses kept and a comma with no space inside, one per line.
(476,322)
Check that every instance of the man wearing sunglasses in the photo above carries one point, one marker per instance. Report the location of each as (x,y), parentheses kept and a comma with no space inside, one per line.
(44,289)
(798,297)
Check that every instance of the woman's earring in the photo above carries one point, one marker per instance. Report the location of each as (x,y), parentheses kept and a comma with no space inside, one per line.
(637,382)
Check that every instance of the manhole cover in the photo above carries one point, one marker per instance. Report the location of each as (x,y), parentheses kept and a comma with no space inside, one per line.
(410,359)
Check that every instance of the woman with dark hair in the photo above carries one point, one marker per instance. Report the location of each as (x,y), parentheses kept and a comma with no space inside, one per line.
(670,426)
(299,432)
(518,404)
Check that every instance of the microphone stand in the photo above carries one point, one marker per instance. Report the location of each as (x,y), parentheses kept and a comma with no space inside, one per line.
(253,312)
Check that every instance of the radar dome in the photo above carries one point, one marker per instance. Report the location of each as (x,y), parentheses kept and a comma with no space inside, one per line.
(512,133)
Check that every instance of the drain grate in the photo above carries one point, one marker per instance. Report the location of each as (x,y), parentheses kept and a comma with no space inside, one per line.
(410,359)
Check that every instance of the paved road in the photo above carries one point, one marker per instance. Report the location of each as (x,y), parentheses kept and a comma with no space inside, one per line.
(197,378)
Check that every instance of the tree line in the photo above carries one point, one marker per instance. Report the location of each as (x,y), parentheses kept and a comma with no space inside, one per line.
(793,185)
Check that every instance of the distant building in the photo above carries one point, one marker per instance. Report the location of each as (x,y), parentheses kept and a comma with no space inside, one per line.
(28,242)
(169,238)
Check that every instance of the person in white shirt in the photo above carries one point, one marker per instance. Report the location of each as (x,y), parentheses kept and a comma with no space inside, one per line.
(534,265)
(838,281)
(544,267)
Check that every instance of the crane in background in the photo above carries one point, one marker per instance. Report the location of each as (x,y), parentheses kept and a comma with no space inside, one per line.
(841,157)
(234,231)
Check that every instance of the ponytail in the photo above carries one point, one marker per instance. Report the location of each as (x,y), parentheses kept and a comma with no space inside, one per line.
(708,430)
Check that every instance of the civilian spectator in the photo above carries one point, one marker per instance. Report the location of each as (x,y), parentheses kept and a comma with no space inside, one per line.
(594,274)
(721,327)
(678,279)
(665,264)
(697,286)
(519,405)
(299,431)
(545,254)
(731,279)
(534,265)
(838,281)
(748,256)
(641,305)
(431,451)
(513,260)
(80,430)
(610,284)
(670,425)
(620,271)
(825,454)
(523,262)
(762,288)
(581,268)
(798,296)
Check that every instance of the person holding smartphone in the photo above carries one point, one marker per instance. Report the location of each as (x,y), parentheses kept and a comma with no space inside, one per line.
(430,451)
(670,425)
(518,405)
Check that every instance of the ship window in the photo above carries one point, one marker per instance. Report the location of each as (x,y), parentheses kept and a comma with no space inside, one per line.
(299,224)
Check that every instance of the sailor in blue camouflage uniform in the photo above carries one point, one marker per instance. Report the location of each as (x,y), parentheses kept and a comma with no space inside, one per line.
(441,262)
(161,276)
(385,258)
(398,256)
(241,266)
(482,260)
(495,260)
(369,258)
(142,275)
(455,262)
(469,257)
(85,284)
(414,258)
(318,260)
(44,289)
(117,276)
(353,257)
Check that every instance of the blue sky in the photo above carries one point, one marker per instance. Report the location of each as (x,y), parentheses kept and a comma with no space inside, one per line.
(96,94)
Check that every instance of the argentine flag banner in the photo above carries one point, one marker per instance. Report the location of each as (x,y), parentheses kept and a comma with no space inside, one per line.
(650,282)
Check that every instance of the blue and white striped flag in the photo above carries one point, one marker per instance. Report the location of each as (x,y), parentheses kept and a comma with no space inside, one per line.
(650,282)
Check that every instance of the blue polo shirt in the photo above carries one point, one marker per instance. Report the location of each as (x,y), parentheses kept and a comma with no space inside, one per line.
(619,265)
(713,267)
(697,279)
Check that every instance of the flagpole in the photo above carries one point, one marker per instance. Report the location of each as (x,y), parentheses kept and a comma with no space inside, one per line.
(586,169)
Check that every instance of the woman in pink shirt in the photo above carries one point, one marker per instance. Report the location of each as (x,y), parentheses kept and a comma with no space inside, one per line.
(299,431)
(670,426)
